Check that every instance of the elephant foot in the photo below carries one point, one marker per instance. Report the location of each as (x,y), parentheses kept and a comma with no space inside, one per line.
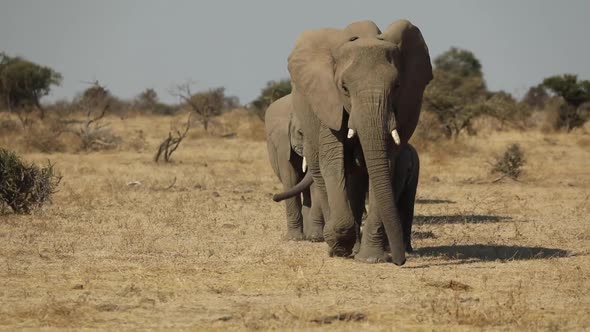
(315,235)
(339,252)
(372,255)
(294,235)
(356,249)
(315,238)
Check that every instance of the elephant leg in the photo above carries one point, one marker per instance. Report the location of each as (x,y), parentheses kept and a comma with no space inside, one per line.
(319,210)
(313,224)
(290,177)
(305,208)
(406,212)
(407,173)
(357,185)
(339,231)
(373,237)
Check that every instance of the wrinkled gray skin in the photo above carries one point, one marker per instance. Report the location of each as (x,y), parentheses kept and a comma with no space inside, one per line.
(285,151)
(405,183)
(371,82)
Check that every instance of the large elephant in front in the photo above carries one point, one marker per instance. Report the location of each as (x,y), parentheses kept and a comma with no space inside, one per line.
(358,83)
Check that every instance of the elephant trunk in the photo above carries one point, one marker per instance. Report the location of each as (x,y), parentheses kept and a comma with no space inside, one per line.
(375,137)
(296,190)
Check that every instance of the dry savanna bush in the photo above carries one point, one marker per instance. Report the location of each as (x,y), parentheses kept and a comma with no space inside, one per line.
(24,187)
(197,244)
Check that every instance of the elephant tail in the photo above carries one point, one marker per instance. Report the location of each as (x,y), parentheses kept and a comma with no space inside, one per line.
(296,190)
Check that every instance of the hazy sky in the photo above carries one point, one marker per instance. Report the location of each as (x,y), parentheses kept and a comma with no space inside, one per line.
(130,45)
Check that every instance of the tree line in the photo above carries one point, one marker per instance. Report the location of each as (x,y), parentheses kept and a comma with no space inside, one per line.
(455,97)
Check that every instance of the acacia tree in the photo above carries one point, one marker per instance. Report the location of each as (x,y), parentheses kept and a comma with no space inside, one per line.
(456,92)
(271,92)
(206,104)
(23,83)
(504,107)
(536,97)
(147,99)
(459,61)
(575,93)
(94,132)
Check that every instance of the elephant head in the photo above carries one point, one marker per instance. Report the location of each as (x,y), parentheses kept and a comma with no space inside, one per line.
(295,135)
(378,78)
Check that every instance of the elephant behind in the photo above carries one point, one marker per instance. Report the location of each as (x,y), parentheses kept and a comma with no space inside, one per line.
(285,151)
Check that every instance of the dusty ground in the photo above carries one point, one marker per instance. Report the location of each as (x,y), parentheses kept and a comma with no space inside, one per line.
(208,253)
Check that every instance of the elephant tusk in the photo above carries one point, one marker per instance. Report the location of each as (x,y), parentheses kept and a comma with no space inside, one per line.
(304,165)
(351,133)
(395,136)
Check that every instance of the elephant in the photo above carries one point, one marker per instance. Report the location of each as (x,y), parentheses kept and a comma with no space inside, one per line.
(364,84)
(404,182)
(285,151)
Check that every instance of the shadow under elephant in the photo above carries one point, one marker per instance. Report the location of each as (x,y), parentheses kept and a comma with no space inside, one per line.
(460,219)
(434,201)
(483,252)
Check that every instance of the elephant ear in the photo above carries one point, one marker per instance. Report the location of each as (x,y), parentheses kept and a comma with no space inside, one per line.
(311,66)
(362,29)
(415,73)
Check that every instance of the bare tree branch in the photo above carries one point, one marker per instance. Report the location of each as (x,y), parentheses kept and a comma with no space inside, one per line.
(171,143)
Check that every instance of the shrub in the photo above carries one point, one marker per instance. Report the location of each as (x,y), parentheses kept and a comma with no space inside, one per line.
(23,83)
(509,165)
(45,139)
(9,126)
(502,106)
(272,91)
(456,100)
(95,134)
(206,104)
(429,131)
(568,117)
(165,109)
(575,93)
(25,187)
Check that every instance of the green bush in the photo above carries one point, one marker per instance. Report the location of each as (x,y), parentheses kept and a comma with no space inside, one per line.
(272,91)
(509,165)
(25,187)
(575,93)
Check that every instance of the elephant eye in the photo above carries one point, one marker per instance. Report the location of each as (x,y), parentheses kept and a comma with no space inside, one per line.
(353,38)
(345,89)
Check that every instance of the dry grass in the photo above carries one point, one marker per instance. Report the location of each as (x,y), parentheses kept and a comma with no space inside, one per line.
(208,254)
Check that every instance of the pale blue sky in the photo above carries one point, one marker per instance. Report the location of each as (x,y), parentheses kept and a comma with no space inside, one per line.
(130,45)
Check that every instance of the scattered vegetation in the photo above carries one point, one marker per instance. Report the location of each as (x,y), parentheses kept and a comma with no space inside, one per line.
(510,163)
(94,133)
(23,83)
(458,95)
(25,187)
(149,102)
(576,94)
(171,143)
(46,137)
(205,104)
(272,91)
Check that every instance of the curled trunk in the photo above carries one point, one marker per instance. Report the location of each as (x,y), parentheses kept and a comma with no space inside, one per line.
(296,190)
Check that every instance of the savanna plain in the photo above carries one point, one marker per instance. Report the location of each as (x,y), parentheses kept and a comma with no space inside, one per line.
(197,243)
